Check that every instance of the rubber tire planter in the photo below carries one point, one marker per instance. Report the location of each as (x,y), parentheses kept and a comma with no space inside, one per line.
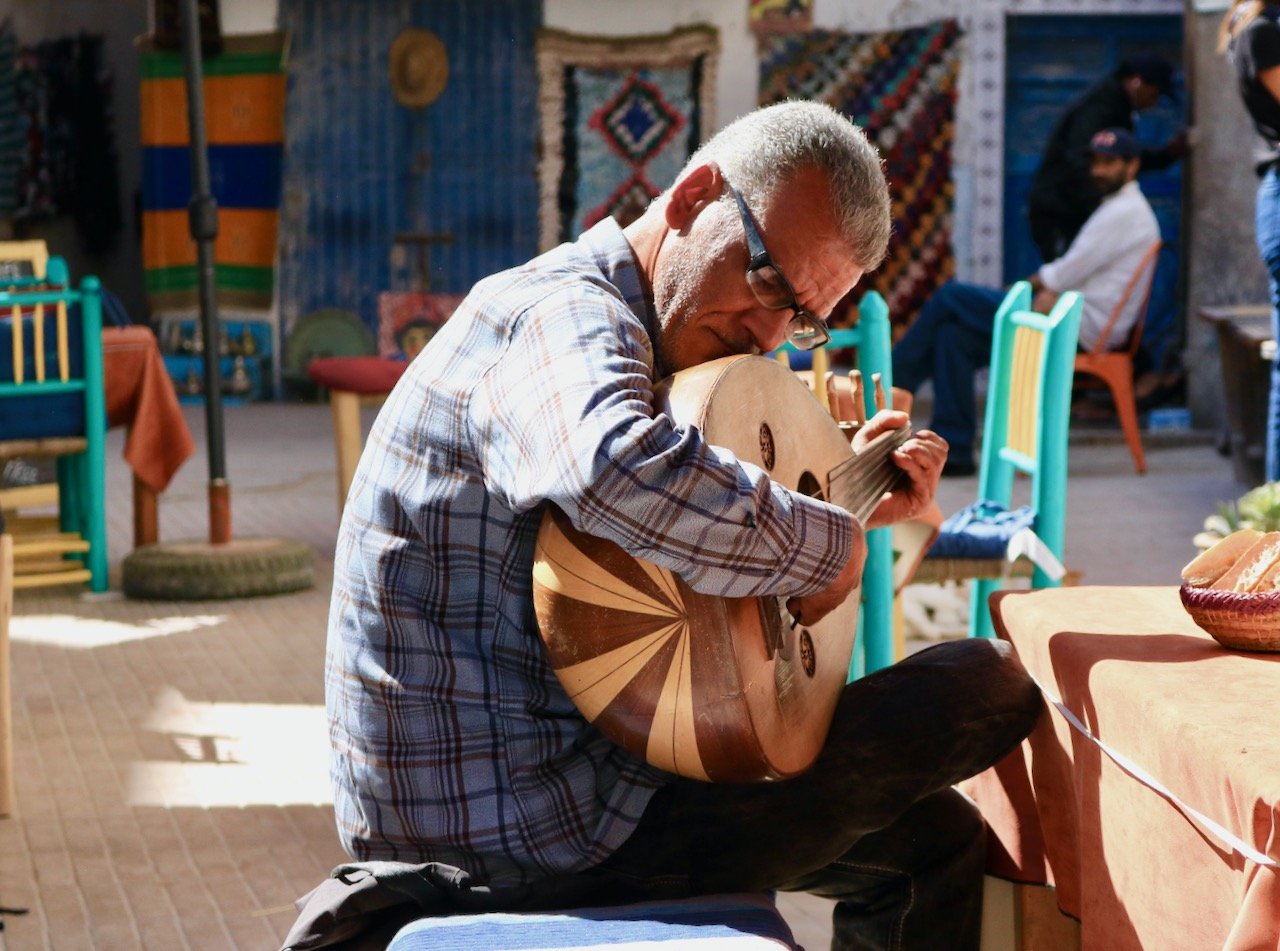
(198,571)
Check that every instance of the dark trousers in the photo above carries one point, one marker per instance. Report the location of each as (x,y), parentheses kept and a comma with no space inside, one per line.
(947,343)
(873,824)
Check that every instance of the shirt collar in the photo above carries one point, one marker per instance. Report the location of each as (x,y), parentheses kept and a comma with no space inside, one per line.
(612,253)
(1128,188)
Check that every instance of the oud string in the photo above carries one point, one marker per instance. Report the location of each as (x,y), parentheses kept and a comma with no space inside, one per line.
(872,475)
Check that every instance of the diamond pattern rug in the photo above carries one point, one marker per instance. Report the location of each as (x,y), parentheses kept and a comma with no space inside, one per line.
(900,87)
(620,117)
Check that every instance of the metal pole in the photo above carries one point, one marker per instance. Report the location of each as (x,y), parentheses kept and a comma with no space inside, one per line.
(203,218)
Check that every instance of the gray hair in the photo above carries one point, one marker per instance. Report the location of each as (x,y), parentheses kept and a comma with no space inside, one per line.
(765,147)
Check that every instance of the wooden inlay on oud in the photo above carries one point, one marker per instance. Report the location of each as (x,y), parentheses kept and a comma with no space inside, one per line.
(724,689)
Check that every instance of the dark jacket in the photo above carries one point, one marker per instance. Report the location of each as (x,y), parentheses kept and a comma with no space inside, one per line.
(1062,187)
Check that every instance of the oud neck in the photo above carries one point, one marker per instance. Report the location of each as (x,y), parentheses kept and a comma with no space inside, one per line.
(858,483)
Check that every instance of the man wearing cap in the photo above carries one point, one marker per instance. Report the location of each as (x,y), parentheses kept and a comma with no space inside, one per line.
(1061,199)
(952,336)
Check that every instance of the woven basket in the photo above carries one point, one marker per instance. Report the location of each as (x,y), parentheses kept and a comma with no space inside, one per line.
(1249,622)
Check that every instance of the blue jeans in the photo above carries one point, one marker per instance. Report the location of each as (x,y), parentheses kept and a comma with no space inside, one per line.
(949,341)
(1268,231)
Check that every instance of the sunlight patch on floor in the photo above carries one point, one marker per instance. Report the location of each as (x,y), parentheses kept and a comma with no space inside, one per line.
(234,755)
(85,633)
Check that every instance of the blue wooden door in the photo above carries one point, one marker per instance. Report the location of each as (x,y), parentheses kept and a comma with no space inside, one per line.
(359,167)
(1050,61)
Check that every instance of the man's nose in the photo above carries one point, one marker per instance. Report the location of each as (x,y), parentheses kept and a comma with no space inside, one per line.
(768,328)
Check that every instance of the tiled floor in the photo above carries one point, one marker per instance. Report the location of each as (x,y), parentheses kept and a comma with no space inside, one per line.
(170,757)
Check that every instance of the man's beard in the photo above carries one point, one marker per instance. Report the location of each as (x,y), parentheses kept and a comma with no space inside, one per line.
(681,292)
(1106,187)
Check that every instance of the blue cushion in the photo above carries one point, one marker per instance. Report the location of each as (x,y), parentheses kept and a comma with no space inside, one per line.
(981,530)
(731,921)
(34,417)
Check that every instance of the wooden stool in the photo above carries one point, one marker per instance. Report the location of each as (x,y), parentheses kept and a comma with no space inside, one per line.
(352,381)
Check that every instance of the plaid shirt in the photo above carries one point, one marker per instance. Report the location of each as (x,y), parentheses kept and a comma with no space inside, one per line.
(452,739)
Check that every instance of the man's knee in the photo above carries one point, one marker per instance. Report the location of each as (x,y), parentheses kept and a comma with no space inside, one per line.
(944,297)
(988,671)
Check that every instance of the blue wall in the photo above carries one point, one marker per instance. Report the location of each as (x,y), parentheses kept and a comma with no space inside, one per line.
(359,167)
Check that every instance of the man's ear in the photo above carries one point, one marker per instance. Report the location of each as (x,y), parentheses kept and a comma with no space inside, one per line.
(697,188)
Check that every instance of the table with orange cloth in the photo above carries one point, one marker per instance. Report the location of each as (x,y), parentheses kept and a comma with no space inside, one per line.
(1149,792)
(141,397)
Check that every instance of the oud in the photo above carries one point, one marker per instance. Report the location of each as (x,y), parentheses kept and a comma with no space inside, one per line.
(720,689)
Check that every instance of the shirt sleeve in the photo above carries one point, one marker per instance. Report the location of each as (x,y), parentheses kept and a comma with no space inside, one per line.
(1263,40)
(566,416)
(1093,248)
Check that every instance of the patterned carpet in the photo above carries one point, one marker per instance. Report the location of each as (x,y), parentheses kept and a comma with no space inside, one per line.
(900,87)
(619,119)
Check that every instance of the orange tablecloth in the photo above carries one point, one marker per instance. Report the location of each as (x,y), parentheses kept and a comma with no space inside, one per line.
(1156,813)
(140,395)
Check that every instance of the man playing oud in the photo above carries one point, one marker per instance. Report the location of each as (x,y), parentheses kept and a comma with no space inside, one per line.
(453,740)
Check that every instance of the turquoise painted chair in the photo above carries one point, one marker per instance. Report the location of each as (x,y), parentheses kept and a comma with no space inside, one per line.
(871,338)
(52,404)
(1027,416)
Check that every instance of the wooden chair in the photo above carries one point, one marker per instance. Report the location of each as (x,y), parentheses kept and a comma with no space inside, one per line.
(1027,417)
(871,338)
(1115,367)
(52,405)
(23,259)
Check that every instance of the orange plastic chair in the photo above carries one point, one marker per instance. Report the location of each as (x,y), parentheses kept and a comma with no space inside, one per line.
(1115,367)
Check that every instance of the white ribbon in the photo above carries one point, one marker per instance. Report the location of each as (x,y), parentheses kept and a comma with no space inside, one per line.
(1223,834)
(1027,544)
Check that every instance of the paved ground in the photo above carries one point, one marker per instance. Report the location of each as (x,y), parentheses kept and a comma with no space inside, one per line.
(169,757)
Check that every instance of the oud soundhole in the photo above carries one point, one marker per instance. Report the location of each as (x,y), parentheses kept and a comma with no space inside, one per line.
(809,485)
(768,454)
(808,657)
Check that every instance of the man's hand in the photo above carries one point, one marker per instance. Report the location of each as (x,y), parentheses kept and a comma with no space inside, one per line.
(921,457)
(1044,301)
(814,607)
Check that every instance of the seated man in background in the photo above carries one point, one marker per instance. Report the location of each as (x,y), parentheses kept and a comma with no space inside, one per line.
(952,336)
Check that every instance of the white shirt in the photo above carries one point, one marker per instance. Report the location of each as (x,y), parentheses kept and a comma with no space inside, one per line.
(1102,260)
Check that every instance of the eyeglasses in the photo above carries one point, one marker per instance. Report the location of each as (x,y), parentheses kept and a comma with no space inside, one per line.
(806,330)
